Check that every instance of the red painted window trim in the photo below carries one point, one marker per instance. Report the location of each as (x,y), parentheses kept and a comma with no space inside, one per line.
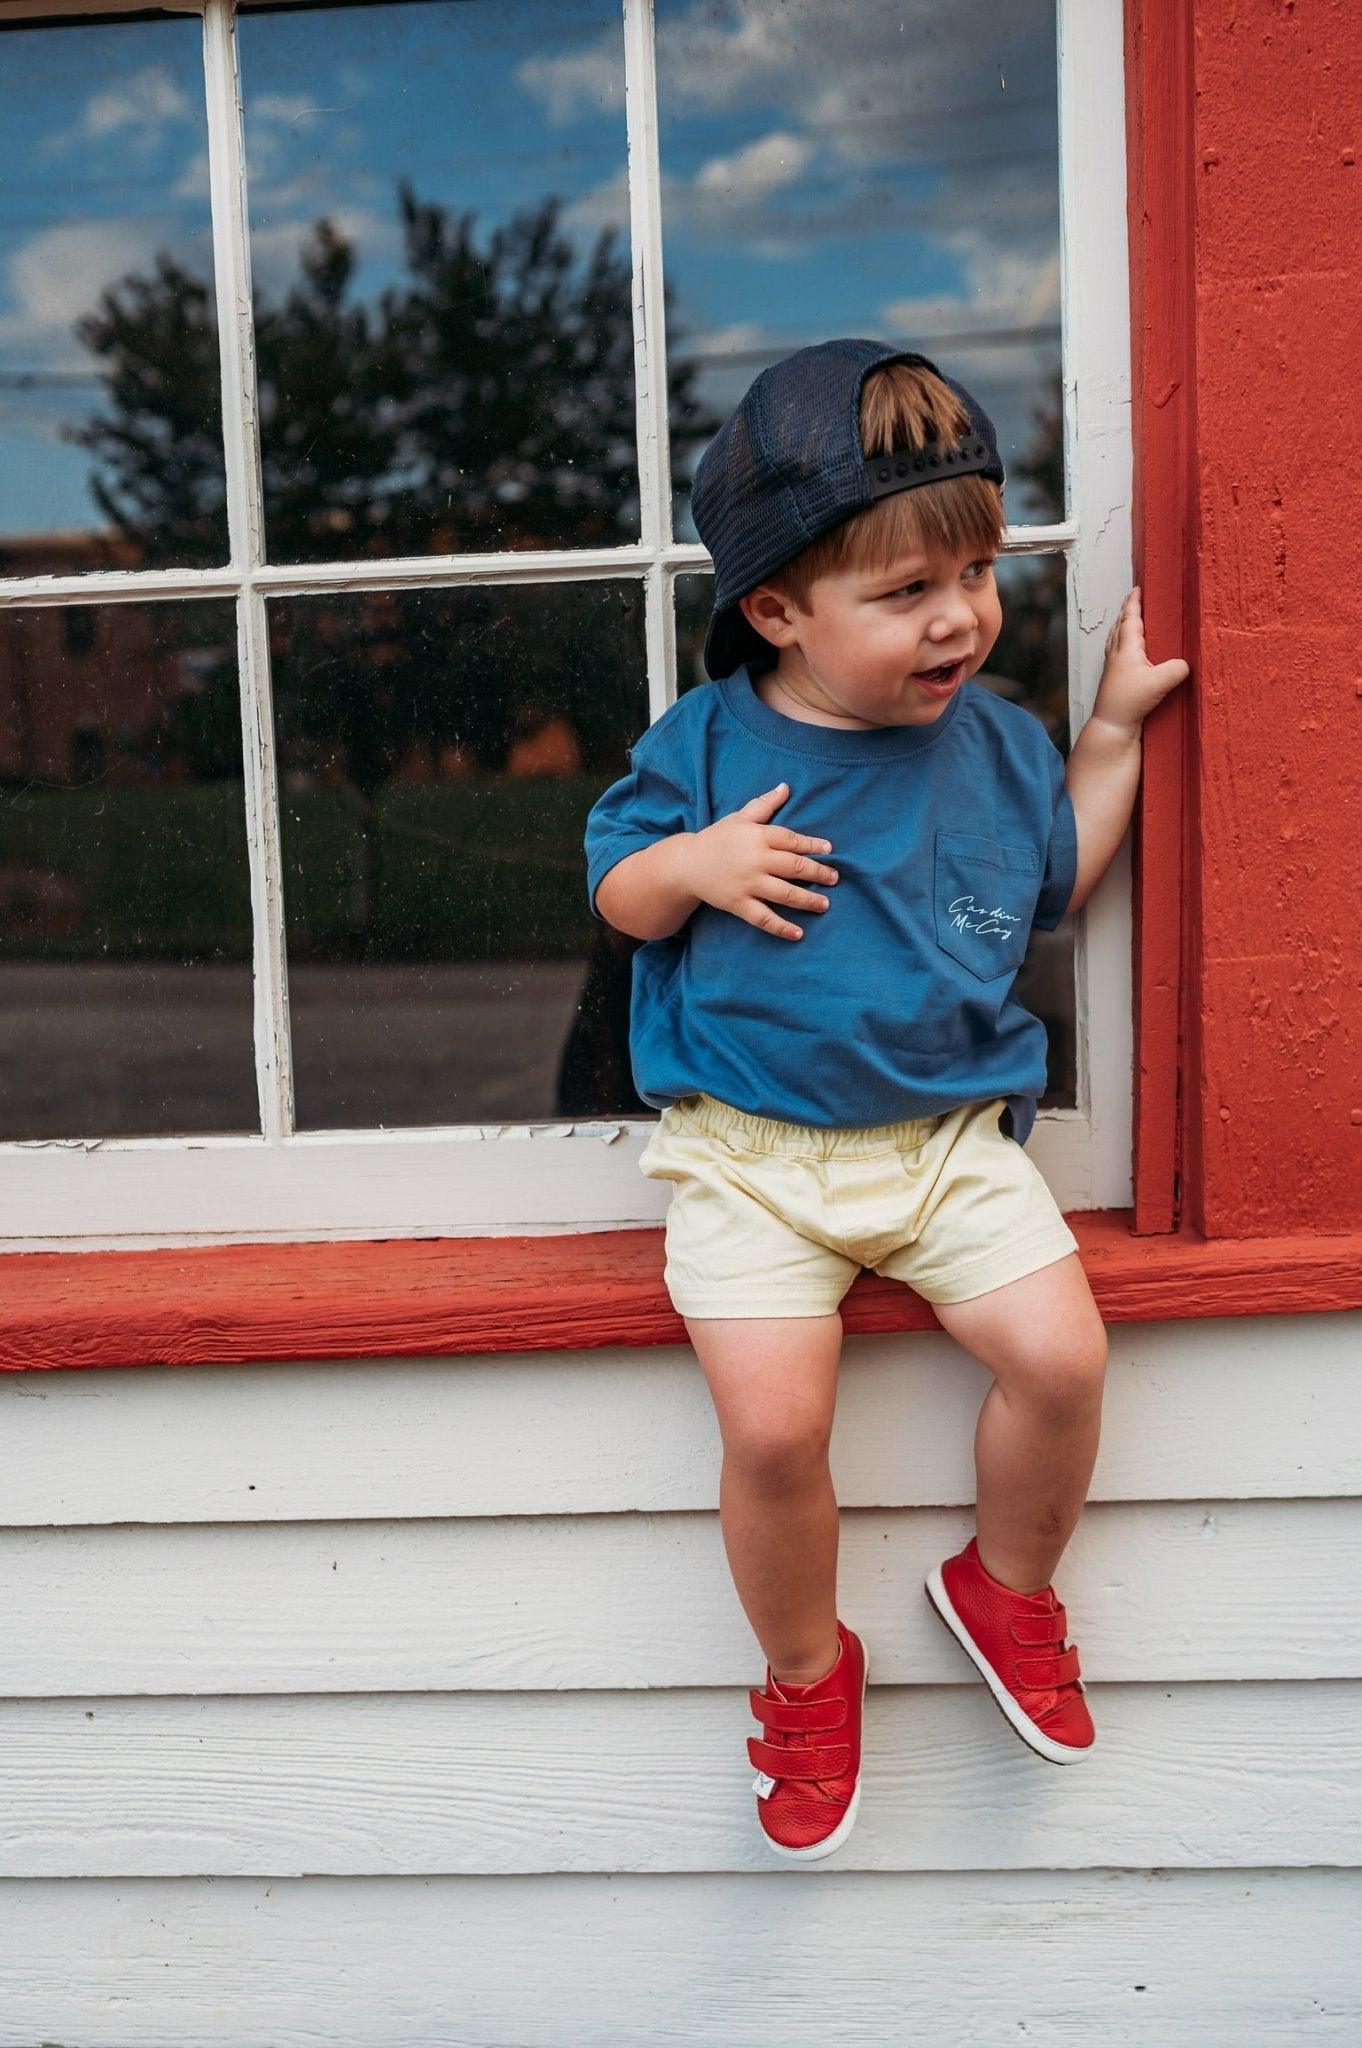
(1160,110)
(412,1297)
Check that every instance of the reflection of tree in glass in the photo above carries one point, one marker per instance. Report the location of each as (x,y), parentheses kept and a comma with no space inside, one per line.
(486,402)
(159,446)
(1029,653)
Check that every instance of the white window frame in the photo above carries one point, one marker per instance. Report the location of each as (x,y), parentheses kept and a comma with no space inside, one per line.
(459,1180)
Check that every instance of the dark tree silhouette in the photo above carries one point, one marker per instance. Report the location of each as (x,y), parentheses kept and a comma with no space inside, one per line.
(486,402)
(1030,648)
(159,445)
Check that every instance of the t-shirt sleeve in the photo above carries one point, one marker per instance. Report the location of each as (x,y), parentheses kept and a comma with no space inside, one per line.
(653,801)
(1061,858)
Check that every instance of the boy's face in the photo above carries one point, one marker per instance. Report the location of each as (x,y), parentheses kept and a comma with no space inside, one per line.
(858,652)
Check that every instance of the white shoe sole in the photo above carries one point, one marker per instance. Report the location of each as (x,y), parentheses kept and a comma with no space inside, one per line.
(1044,1745)
(848,1820)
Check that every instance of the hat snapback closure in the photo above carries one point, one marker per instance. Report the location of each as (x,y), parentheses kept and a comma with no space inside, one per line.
(903,467)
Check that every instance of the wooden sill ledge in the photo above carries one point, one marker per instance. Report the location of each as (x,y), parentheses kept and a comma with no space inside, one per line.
(406,1297)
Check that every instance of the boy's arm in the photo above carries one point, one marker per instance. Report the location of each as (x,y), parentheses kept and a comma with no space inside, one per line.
(741,863)
(1103,771)
(1103,776)
(647,894)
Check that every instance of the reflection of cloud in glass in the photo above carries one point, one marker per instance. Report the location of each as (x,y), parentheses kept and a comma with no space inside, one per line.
(136,112)
(866,168)
(105,187)
(828,166)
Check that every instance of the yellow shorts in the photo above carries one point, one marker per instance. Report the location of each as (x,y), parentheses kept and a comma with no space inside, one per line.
(768,1218)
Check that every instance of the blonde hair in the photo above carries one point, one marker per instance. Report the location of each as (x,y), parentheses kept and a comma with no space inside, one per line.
(903,405)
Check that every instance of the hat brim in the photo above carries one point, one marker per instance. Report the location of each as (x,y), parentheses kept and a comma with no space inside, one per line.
(732,640)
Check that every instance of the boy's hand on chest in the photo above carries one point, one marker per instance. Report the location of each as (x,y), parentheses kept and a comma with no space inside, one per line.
(751,867)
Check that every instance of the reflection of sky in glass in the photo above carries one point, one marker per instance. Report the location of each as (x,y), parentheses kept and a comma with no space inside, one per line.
(474,394)
(106,162)
(886,168)
(828,166)
(459,100)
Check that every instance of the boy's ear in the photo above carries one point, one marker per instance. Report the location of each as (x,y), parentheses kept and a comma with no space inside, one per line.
(769,614)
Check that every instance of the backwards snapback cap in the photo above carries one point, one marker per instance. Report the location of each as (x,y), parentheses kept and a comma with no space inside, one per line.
(787,465)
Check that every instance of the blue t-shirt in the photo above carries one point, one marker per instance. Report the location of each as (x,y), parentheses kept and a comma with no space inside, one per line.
(951,840)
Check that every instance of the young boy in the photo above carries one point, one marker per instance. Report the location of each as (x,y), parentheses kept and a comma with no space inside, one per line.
(823,1012)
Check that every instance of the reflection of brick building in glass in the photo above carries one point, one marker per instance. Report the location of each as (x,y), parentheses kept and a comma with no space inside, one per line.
(97,691)
(84,687)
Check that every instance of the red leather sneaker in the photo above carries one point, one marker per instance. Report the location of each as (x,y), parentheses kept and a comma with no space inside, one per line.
(1015,1639)
(808,1781)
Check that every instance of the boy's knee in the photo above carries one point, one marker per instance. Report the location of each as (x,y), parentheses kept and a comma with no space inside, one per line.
(779,1451)
(1062,1376)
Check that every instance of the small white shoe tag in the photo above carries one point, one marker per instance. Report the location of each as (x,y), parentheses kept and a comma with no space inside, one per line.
(763,1786)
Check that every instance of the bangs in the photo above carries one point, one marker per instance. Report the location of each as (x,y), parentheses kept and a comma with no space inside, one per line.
(957,515)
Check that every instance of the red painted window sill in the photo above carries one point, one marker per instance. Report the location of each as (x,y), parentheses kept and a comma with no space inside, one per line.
(404,1297)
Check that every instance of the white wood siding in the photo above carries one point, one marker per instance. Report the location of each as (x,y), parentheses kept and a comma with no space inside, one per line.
(400,1703)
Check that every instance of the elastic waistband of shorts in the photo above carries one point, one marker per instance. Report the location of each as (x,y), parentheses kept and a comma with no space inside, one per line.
(802,1141)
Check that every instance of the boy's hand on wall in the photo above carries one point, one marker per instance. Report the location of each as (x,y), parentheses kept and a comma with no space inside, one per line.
(1131,683)
(743,864)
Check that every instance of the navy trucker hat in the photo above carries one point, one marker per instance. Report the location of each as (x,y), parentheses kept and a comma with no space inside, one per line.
(787,465)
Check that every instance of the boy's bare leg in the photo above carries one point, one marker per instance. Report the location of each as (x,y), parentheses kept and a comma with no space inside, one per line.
(1036,1440)
(774,1386)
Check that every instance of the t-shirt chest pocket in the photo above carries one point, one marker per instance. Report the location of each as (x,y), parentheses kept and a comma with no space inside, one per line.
(984,897)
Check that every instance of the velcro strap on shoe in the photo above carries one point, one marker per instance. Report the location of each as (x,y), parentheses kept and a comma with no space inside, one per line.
(797,1717)
(1048,1671)
(799,1763)
(1037,1629)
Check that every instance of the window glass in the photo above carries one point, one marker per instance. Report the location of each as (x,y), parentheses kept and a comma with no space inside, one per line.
(694,604)
(110,419)
(438,753)
(125,903)
(1030,665)
(873,168)
(441,265)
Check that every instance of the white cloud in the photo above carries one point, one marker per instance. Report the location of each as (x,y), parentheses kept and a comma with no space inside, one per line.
(964,94)
(758,168)
(146,102)
(292,110)
(58,275)
(192,182)
(739,337)
(275,249)
(1003,289)
(582,82)
(605,205)
(726,200)
(862,67)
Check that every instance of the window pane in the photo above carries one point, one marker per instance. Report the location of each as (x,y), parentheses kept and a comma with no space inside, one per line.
(125,906)
(1029,664)
(110,414)
(872,168)
(440,254)
(439,751)
(694,604)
